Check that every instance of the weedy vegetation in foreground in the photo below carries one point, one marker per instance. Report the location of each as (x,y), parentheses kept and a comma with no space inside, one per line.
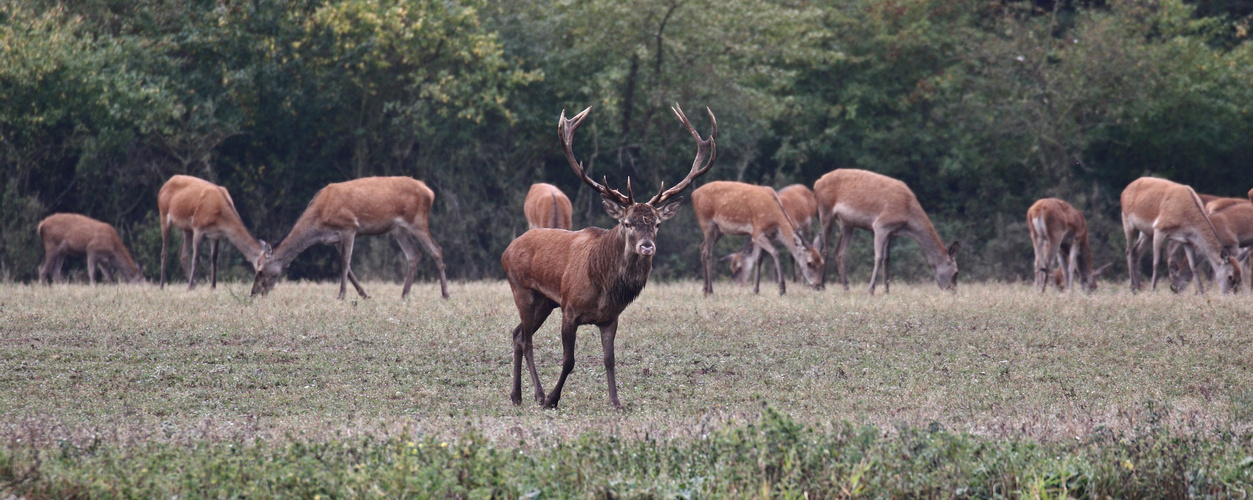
(997,390)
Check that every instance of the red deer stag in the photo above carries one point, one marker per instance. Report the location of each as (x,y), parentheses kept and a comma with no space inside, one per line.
(201,209)
(861,199)
(547,206)
(1161,210)
(369,206)
(592,274)
(800,205)
(1233,222)
(735,208)
(1060,233)
(78,235)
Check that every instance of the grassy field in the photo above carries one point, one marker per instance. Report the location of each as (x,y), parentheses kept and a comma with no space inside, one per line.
(128,368)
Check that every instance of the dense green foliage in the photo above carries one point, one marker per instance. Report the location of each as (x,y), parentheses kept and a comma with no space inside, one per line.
(980,106)
(775,457)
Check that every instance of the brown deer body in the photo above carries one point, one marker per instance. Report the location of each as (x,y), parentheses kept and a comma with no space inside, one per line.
(855,198)
(78,235)
(201,209)
(800,205)
(369,206)
(592,274)
(1059,233)
(1160,211)
(735,208)
(1233,222)
(547,206)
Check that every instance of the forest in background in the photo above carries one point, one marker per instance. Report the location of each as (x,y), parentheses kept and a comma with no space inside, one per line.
(980,106)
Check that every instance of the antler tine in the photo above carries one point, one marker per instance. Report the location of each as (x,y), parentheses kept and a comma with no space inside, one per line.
(565,133)
(706,151)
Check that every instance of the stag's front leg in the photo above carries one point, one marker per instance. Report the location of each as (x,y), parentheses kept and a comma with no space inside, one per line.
(607,334)
(568,330)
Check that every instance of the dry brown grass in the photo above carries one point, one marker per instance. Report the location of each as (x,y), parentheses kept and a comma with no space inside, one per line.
(129,364)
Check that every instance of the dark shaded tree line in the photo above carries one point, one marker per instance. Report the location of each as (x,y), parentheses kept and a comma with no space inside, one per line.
(981,107)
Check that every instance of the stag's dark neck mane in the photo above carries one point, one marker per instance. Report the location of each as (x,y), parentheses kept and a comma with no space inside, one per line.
(618,271)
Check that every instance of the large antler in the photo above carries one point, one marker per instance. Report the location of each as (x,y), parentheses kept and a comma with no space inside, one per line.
(706,151)
(565,133)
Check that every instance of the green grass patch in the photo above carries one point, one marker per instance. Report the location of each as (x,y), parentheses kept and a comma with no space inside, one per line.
(774,457)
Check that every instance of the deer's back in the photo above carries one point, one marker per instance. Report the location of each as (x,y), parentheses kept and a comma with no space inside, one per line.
(863,198)
(736,207)
(372,204)
(75,232)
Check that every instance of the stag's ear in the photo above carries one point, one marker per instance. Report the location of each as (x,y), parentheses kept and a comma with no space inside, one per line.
(266,250)
(669,210)
(618,212)
(1224,254)
(1244,254)
(952,249)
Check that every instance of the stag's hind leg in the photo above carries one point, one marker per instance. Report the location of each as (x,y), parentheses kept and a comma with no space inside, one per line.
(534,308)
(569,329)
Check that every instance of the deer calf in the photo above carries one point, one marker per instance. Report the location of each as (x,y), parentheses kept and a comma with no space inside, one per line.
(78,235)
(1059,233)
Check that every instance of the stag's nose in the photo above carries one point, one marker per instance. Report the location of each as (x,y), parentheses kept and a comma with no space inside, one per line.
(647,248)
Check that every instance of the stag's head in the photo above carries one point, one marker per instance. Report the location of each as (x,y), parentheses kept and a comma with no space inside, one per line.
(946,271)
(639,221)
(268,269)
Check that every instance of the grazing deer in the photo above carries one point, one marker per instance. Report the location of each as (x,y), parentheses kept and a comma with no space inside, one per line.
(201,209)
(547,206)
(1059,232)
(78,235)
(735,208)
(800,205)
(1233,222)
(592,274)
(1161,210)
(369,206)
(862,199)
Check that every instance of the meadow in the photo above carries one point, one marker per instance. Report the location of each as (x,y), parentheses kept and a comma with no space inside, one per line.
(305,394)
